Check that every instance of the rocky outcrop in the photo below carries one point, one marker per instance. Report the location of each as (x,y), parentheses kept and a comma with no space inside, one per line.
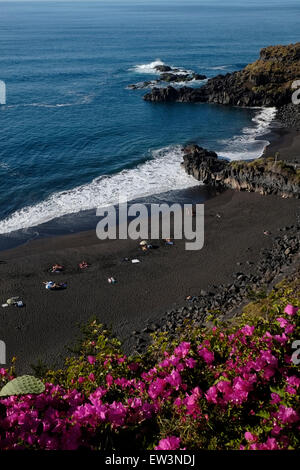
(168,75)
(265,176)
(266,82)
(163,68)
(183,95)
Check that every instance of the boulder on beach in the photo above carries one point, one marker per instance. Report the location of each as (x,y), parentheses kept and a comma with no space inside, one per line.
(263,175)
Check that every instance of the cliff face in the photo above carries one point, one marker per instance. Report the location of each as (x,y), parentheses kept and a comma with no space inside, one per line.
(265,176)
(266,82)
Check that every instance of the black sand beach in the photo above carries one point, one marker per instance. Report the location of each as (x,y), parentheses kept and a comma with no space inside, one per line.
(49,321)
(285,142)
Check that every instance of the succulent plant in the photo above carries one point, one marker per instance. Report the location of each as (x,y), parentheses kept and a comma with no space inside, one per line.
(23,385)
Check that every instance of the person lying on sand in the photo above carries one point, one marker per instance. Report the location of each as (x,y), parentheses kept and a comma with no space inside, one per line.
(83,265)
(57,268)
(50,285)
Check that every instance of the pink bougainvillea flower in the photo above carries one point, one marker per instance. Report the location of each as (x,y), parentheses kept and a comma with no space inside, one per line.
(271,444)
(248,330)
(287,415)
(212,394)
(190,362)
(182,350)
(290,390)
(276,430)
(293,380)
(224,386)
(283,322)
(169,443)
(156,388)
(275,398)
(109,380)
(207,355)
(91,359)
(174,379)
(250,437)
(290,310)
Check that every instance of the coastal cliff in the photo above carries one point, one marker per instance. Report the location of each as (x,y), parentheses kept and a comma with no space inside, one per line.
(266,82)
(265,176)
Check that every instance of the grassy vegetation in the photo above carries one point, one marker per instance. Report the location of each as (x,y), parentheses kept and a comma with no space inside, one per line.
(269,165)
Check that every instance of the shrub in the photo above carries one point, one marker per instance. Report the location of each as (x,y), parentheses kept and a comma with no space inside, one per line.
(230,386)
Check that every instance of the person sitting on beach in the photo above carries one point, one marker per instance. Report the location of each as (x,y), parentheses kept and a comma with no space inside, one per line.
(57,268)
(83,265)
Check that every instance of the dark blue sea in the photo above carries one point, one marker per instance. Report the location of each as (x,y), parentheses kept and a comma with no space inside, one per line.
(73,136)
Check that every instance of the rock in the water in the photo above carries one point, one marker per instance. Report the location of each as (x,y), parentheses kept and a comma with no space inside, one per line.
(163,68)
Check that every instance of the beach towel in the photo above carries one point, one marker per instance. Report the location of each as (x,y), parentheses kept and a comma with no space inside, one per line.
(12,300)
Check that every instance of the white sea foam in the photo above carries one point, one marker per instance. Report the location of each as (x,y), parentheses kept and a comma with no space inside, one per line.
(248,146)
(84,99)
(189,83)
(219,67)
(160,174)
(150,68)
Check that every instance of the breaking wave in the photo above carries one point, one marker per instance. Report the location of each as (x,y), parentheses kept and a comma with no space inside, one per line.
(160,174)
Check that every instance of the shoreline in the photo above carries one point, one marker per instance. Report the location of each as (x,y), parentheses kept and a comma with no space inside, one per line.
(286,142)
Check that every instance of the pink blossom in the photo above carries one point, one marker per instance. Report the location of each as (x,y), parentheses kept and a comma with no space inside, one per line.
(207,355)
(293,380)
(290,310)
(169,443)
(248,330)
(156,388)
(117,414)
(287,415)
(91,359)
(212,394)
(275,398)
(190,362)
(290,390)
(282,322)
(182,350)
(174,379)
(250,437)
(109,380)
(271,444)
(276,430)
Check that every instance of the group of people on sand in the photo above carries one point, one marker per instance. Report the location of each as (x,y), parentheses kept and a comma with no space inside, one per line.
(58,268)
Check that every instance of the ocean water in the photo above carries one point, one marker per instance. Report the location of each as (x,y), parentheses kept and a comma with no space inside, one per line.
(72,135)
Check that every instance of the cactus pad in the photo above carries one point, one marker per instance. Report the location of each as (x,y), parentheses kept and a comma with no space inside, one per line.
(23,385)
